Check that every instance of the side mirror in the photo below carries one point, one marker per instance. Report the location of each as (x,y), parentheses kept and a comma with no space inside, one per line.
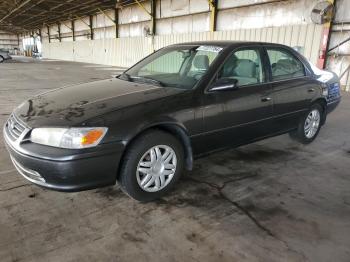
(223,84)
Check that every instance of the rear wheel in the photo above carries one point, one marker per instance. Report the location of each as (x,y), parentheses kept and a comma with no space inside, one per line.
(1,59)
(309,125)
(151,166)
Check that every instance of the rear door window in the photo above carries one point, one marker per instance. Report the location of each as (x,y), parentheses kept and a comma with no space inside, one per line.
(284,65)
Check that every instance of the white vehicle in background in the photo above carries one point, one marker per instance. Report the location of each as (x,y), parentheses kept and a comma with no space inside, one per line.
(4,55)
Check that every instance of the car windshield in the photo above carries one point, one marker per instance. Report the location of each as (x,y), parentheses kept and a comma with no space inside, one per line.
(179,67)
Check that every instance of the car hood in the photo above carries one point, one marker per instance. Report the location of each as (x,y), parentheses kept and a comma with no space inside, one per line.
(72,105)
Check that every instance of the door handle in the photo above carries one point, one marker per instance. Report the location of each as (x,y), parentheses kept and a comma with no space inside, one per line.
(265,99)
(311,90)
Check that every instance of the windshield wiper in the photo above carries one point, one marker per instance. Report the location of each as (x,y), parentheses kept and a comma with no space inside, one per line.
(141,79)
(146,80)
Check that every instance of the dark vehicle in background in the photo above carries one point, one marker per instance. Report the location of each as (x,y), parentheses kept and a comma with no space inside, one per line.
(4,55)
(144,127)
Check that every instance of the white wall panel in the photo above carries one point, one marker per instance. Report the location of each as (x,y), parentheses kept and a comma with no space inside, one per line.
(66,27)
(44,35)
(238,3)
(8,41)
(54,33)
(200,22)
(126,51)
(183,24)
(133,30)
(171,8)
(197,6)
(270,15)
(134,13)
(100,20)
(82,24)
(104,33)
(342,10)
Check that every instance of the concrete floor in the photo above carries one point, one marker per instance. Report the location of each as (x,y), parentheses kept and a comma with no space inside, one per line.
(274,200)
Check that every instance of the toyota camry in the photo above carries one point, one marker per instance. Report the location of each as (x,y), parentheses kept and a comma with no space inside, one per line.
(144,127)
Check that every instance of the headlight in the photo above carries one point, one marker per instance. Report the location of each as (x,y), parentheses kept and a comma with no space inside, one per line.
(324,89)
(71,138)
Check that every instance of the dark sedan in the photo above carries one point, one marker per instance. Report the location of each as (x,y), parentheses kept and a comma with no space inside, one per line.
(144,127)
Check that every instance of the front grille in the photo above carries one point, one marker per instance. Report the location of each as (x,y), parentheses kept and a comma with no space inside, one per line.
(14,128)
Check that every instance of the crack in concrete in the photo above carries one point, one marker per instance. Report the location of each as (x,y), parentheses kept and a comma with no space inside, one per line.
(236,204)
(246,212)
(15,187)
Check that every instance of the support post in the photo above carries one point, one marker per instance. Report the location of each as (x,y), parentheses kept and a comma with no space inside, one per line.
(91,28)
(326,34)
(153,17)
(48,33)
(213,4)
(73,29)
(116,22)
(59,31)
(40,35)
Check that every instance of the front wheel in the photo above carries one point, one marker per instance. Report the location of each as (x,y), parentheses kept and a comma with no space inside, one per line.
(309,125)
(151,166)
(1,59)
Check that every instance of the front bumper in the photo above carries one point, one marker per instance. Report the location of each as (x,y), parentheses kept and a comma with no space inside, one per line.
(62,172)
(331,105)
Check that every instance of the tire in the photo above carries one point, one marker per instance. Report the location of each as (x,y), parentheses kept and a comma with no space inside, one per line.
(303,134)
(138,184)
(1,59)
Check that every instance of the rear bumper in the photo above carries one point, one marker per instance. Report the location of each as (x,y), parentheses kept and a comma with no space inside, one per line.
(75,174)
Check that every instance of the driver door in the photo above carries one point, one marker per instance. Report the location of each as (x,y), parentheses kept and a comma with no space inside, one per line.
(238,115)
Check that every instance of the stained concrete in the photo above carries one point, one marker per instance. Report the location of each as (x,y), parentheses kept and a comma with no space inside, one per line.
(274,200)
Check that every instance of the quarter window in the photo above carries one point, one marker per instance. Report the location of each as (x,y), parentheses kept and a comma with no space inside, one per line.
(284,65)
(245,66)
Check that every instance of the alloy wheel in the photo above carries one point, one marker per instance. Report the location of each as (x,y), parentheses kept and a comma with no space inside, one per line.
(312,123)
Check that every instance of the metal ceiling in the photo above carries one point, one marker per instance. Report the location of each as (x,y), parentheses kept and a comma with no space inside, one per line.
(22,15)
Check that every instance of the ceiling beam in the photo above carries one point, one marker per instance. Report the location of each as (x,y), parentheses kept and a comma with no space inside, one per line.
(25,15)
(15,9)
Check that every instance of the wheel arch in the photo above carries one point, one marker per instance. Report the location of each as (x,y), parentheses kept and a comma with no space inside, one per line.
(322,102)
(174,129)
(180,133)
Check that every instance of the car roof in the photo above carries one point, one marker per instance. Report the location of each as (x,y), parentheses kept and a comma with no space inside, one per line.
(226,43)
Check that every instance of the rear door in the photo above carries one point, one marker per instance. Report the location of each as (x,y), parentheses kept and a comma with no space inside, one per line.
(293,89)
(234,117)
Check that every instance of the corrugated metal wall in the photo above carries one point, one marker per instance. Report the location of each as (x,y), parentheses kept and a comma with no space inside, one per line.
(126,51)
(8,41)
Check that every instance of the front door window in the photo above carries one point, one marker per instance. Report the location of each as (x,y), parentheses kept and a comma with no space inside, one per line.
(245,66)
